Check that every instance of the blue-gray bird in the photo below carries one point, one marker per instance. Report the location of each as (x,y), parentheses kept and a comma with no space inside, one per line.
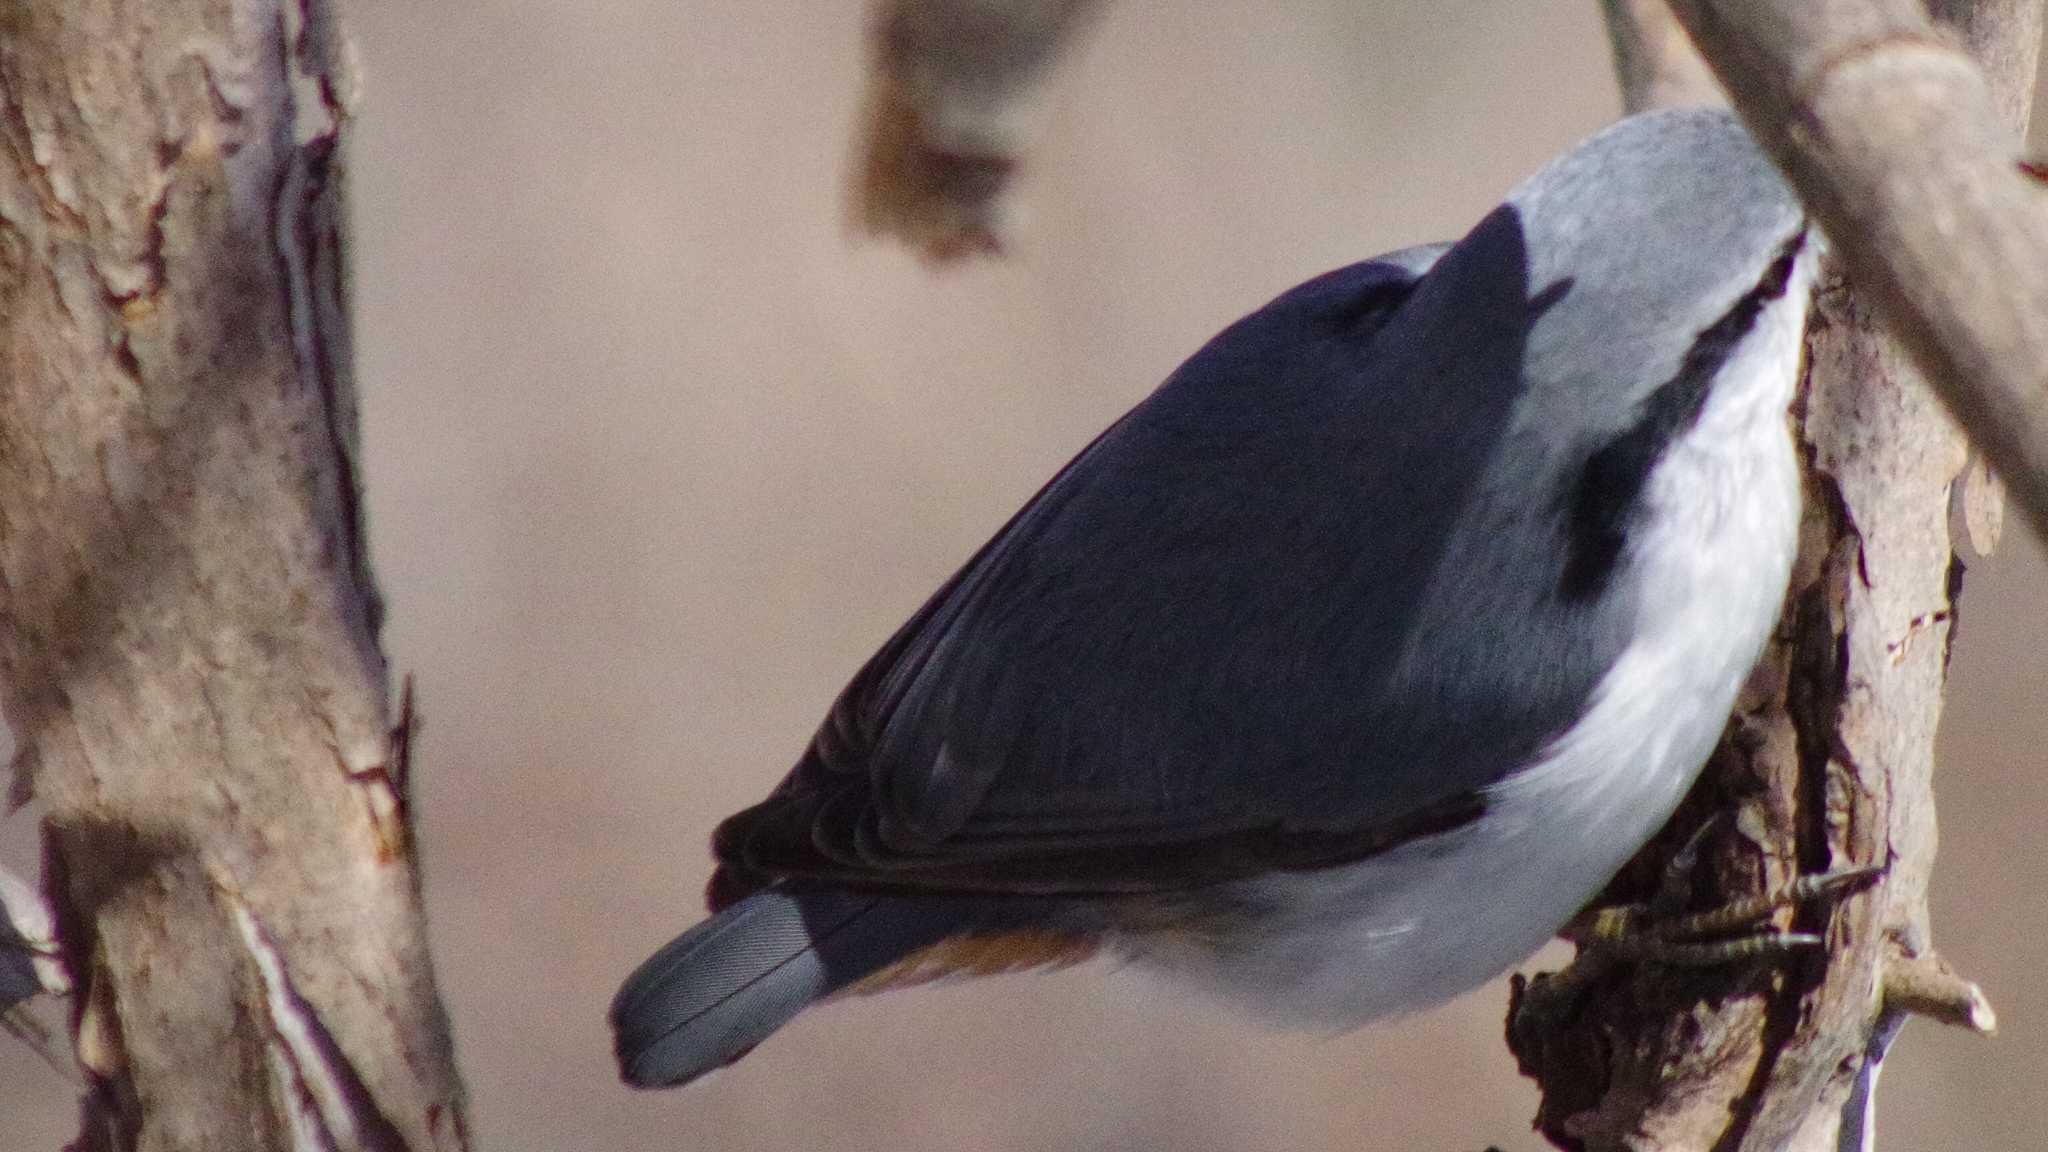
(1347,667)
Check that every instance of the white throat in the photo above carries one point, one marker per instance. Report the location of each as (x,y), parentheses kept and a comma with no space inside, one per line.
(1712,556)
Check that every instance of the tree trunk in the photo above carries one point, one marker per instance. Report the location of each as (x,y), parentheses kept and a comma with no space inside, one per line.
(188,627)
(1828,763)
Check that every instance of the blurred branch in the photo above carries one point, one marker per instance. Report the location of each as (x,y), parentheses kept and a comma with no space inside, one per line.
(1908,160)
(30,966)
(1654,58)
(188,627)
(956,94)
(2004,37)
(1830,757)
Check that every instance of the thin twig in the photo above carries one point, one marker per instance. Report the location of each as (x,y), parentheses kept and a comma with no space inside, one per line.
(1654,58)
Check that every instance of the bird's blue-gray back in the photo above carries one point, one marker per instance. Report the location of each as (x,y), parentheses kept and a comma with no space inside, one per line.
(1297,597)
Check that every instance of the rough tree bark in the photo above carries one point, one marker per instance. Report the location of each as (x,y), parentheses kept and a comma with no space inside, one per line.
(1828,763)
(188,627)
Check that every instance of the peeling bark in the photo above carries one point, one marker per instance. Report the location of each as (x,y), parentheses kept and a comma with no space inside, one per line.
(188,627)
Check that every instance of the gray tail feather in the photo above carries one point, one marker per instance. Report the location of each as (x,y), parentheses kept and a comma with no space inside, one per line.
(714,992)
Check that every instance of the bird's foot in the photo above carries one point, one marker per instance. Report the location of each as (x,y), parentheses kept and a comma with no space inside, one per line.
(1662,932)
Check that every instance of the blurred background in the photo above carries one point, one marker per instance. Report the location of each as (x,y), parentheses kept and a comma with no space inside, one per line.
(656,457)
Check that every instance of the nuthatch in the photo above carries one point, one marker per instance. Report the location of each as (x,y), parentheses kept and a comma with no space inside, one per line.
(1343,670)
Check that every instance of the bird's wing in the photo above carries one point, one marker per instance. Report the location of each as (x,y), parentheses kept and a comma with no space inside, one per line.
(1222,640)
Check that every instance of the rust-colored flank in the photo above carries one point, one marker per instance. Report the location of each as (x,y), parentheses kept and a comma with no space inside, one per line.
(966,956)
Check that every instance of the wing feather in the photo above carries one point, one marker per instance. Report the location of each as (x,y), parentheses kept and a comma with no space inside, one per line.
(1210,645)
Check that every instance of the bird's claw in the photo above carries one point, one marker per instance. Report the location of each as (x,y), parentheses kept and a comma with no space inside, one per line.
(1660,932)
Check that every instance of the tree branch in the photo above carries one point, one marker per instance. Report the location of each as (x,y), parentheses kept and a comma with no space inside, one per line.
(1909,162)
(1654,58)
(188,646)
(956,94)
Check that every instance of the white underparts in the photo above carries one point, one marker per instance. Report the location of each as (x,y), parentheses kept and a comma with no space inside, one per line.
(1412,927)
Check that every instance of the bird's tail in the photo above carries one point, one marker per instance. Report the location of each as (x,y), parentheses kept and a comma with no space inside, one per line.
(714,992)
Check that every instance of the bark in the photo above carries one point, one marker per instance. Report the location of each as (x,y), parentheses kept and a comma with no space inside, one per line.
(956,95)
(1829,759)
(188,627)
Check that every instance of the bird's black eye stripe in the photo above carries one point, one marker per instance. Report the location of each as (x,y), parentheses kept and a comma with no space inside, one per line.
(1608,488)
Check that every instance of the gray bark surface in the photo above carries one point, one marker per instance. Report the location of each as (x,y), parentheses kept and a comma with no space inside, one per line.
(188,628)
